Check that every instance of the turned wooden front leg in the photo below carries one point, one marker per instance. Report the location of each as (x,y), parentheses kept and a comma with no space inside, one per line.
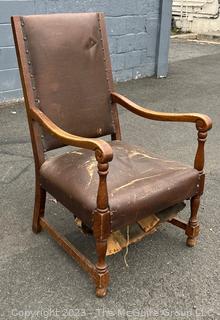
(192,229)
(101,230)
(102,269)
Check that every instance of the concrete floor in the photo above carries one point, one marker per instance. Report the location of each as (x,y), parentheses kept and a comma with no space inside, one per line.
(165,279)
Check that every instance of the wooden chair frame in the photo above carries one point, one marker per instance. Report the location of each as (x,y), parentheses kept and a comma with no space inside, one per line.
(104,154)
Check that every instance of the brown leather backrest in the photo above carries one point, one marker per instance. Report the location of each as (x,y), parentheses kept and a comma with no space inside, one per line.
(66,55)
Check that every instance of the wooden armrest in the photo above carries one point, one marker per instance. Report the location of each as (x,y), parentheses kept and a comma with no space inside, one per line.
(203,122)
(103,150)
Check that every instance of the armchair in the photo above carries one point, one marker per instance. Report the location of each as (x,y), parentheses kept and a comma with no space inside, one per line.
(70,100)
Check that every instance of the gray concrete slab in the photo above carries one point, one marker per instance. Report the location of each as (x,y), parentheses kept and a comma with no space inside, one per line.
(183,49)
(165,279)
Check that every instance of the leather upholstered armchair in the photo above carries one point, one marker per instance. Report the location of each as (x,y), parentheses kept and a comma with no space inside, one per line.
(67,82)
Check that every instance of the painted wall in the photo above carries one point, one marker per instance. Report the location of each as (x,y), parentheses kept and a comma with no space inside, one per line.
(133,29)
(201,16)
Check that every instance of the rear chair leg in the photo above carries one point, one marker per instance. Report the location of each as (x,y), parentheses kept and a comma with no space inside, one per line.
(192,229)
(39,206)
(102,269)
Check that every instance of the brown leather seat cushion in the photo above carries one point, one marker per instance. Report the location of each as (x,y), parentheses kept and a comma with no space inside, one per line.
(139,183)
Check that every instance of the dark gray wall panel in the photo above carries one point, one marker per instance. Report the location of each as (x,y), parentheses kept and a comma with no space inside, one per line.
(9,80)
(7,58)
(11,8)
(6,37)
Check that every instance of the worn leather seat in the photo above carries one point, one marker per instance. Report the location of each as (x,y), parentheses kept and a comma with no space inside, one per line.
(138,183)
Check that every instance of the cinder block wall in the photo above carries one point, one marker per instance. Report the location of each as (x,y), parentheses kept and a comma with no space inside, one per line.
(133,28)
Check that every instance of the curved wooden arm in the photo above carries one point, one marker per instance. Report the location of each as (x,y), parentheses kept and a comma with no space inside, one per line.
(203,122)
(103,150)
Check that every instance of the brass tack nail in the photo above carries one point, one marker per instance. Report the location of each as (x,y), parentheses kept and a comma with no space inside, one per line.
(29,62)
(32,75)
(34,88)
(27,51)
(25,38)
(37,100)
